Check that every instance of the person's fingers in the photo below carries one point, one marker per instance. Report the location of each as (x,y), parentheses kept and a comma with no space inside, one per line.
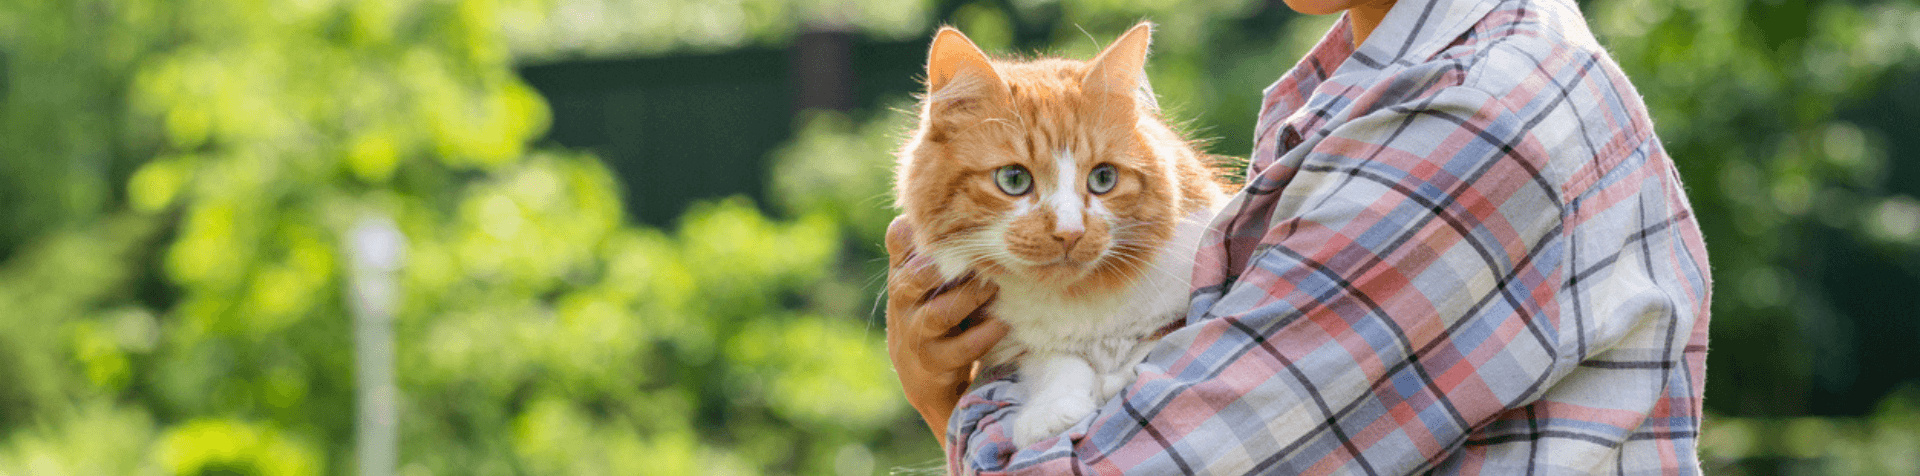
(944,311)
(914,278)
(909,275)
(970,345)
(899,241)
(907,287)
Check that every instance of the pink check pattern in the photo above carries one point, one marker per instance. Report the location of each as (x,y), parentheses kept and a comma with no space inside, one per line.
(1461,249)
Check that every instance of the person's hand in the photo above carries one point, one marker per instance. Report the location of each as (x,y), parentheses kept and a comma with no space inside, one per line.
(935,330)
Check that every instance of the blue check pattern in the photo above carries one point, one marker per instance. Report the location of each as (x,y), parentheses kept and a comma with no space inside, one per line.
(1461,249)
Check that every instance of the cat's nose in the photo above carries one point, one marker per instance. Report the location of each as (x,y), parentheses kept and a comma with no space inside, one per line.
(1067,238)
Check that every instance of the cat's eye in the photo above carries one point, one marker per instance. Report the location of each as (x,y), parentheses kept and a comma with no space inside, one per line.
(1102,179)
(1013,179)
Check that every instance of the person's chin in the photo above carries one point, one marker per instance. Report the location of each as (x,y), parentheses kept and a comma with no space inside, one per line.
(1320,7)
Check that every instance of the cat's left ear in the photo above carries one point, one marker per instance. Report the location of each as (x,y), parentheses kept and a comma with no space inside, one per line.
(957,71)
(1122,68)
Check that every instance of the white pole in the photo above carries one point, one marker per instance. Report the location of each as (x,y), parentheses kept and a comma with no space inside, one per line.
(377,250)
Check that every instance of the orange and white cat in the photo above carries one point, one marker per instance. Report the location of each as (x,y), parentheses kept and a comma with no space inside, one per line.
(1058,181)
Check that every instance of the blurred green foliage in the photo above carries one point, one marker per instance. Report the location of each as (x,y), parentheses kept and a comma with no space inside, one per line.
(178,177)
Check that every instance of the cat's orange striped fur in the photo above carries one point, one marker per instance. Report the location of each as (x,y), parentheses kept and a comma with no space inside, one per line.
(1059,181)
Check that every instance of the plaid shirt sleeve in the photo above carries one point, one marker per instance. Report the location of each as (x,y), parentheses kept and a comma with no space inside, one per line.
(1460,250)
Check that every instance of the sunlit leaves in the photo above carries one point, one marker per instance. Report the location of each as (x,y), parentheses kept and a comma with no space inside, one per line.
(538,330)
(547,437)
(155,185)
(233,447)
(844,381)
(836,168)
(1878,444)
(99,352)
(94,439)
(533,225)
(1714,84)
(620,27)
(1751,101)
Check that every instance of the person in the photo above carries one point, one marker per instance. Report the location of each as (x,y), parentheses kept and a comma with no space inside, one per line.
(1460,249)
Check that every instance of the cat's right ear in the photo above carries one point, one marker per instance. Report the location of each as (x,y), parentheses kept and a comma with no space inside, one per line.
(959,74)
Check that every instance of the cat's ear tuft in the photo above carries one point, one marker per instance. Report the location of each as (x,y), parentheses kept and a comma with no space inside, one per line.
(1122,68)
(958,71)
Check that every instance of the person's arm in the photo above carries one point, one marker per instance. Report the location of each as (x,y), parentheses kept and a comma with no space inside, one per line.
(1402,294)
(930,339)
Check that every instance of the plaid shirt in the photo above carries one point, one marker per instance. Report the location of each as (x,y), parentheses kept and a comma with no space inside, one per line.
(1460,249)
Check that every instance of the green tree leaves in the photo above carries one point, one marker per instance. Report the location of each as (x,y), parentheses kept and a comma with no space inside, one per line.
(210,156)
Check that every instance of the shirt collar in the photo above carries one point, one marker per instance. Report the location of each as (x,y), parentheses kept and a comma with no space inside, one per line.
(1415,30)
(1412,31)
(1288,94)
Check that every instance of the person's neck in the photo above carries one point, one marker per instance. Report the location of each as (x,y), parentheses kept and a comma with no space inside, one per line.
(1365,17)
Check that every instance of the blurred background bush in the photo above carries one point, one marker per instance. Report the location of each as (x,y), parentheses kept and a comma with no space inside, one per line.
(642,236)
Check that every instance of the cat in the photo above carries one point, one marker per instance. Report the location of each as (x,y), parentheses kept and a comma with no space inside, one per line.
(1058,181)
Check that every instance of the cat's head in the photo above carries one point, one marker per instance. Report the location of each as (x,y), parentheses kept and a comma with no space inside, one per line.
(1055,171)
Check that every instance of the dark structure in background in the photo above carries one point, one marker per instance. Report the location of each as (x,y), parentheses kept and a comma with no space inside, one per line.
(679,129)
(684,128)
(1873,345)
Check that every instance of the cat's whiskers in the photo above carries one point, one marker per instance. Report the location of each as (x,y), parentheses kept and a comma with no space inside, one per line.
(976,248)
(1133,252)
(1140,263)
(1148,266)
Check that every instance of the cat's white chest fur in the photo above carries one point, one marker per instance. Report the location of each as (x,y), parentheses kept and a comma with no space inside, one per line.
(1074,353)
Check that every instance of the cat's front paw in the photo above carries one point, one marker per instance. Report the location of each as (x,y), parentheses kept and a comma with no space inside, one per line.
(1047,418)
